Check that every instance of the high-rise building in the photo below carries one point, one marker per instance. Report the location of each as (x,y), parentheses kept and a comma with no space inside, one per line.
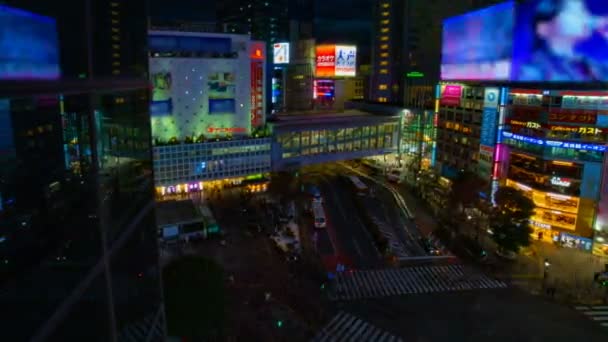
(208,122)
(116,48)
(265,20)
(78,245)
(407,40)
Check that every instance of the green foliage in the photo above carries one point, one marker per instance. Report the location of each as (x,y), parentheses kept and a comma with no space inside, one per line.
(194,297)
(465,190)
(509,219)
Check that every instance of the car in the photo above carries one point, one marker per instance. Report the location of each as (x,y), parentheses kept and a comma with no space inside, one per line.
(509,255)
(394,176)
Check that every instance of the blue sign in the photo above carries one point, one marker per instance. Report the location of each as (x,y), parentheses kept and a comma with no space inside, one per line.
(488,127)
(489,122)
(553,143)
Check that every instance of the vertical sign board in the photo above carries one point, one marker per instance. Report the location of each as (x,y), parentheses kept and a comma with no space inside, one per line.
(326,61)
(257,93)
(280,53)
(488,132)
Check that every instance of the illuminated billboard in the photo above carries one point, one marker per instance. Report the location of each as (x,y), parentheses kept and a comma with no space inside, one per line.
(336,60)
(280,53)
(478,45)
(28,46)
(533,41)
(326,61)
(200,99)
(346,60)
(561,41)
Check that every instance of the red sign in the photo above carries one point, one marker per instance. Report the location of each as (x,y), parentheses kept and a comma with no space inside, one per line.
(451,95)
(257,93)
(226,129)
(257,50)
(573,115)
(326,61)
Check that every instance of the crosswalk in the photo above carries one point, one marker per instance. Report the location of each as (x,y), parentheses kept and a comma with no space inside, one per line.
(394,244)
(410,280)
(346,327)
(598,313)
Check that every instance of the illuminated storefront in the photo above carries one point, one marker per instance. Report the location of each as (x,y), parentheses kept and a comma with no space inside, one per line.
(417,139)
(253,184)
(555,147)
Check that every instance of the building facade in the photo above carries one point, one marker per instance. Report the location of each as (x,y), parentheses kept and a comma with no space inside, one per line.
(550,144)
(552,148)
(208,109)
(78,246)
(406,39)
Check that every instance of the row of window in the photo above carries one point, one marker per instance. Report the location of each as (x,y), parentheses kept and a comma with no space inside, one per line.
(186,178)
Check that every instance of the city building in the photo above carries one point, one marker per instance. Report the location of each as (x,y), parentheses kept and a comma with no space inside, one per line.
(527,124)
(78,246)
(406,47)
(208,110)
(459,128)
(552,148)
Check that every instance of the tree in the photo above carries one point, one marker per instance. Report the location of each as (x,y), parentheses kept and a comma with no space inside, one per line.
(510,218)
(465,190)
(194,298)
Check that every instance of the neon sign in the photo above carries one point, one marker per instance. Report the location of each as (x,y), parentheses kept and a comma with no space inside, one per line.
(226,129)
(552,143)
(565,182)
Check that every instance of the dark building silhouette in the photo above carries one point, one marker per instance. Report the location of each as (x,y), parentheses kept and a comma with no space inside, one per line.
(78,245)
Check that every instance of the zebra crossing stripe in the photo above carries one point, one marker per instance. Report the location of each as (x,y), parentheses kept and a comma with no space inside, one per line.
(347,327)
(597,313)
(411,280)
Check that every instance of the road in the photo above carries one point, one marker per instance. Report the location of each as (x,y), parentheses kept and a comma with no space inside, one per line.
(480,315)
(404,227)
(345,236)
(351,234)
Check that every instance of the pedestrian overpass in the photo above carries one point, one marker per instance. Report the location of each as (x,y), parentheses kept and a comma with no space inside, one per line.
(300,140)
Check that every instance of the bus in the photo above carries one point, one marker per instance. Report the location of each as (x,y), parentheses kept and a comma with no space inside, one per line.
(211,225)
(360,187)
(318,214)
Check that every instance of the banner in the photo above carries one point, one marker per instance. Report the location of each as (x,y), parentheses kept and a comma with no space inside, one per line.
(257,94)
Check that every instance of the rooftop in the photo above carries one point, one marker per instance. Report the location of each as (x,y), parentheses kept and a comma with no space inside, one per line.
(176,212)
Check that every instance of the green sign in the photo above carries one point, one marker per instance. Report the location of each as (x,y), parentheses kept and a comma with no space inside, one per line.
(414,74)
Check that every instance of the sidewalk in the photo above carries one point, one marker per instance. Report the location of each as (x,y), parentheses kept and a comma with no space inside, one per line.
(570,272)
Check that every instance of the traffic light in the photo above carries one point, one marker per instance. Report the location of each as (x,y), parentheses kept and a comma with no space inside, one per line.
(279,323)
(323,286)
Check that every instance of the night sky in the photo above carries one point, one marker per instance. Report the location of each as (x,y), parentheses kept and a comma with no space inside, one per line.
(336,21)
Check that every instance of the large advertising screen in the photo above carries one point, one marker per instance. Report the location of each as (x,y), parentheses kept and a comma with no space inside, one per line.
(221,92)
(28,46)
(336,60)
(478,45)
(534,41)
(346,60)
(561,41)
(280,53)
(162,102)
